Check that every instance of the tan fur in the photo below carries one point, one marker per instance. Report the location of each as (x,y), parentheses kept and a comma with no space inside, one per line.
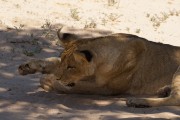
(113,64)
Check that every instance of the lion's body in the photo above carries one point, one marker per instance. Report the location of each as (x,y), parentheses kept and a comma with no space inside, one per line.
(116,64)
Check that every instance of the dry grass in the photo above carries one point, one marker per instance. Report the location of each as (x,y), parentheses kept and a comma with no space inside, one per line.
(75,14)
(157,19)
(90,24)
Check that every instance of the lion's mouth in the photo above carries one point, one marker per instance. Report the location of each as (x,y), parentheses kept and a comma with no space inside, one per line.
(70,85)
(67,86)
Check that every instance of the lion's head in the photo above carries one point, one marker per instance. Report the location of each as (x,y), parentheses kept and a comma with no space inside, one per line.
(76,63)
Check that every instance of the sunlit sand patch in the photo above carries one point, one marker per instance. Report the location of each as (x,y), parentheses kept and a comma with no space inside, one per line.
(7,74)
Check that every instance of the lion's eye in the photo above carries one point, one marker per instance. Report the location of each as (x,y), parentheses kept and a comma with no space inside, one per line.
(70,67)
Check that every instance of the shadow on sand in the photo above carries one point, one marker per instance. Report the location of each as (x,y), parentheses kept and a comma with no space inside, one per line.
(20,97)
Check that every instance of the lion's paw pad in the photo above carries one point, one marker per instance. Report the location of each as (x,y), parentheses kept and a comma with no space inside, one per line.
(25,69)
(137,103)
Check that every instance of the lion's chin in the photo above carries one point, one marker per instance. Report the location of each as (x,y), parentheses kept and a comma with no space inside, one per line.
(68,86)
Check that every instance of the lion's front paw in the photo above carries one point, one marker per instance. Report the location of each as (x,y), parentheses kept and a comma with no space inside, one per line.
(137,103)
(47,82)
(25,69)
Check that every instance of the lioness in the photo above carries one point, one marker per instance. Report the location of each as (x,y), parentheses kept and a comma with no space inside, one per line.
(110,65)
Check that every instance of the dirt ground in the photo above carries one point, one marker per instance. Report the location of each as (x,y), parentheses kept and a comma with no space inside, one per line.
(28,31)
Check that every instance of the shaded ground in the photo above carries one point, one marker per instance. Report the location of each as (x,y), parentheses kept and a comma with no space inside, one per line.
(25,34)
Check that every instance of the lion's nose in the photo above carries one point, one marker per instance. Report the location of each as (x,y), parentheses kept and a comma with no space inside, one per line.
(71,84)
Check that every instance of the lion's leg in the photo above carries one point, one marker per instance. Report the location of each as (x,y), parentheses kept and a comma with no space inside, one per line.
(86,87)
(49,83)
(47,65)
(152,102)
(172,100)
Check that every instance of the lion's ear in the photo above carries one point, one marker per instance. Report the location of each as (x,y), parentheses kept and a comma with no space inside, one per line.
(65,38)
(83,56)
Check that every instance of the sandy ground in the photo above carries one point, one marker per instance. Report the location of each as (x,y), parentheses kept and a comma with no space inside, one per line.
(27,31)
